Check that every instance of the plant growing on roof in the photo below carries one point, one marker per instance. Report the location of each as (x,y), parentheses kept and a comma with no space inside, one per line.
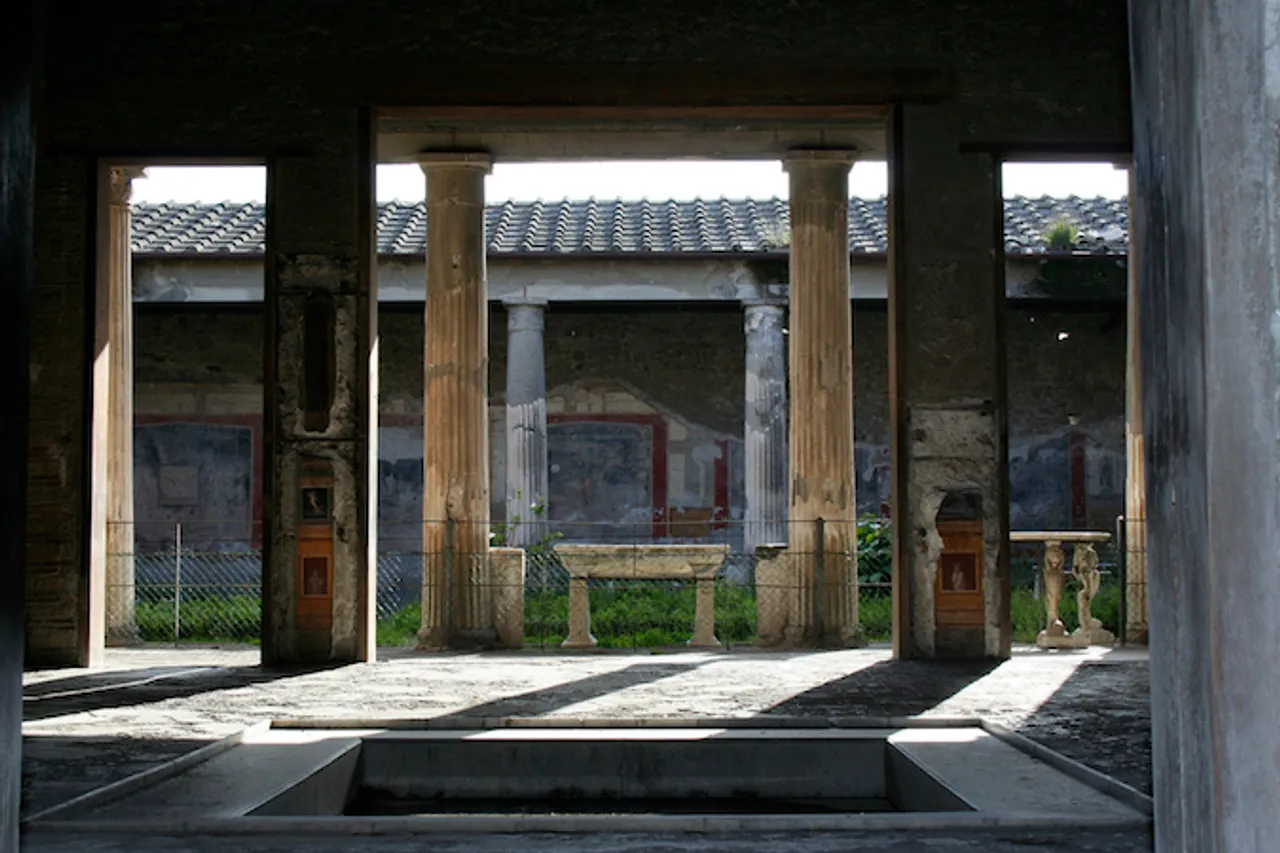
(776,236)
(1061,235)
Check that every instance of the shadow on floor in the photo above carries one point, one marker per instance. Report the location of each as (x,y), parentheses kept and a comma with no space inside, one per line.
(56,768)
(1101,717)
(891,688)
(124,687)
(538,702)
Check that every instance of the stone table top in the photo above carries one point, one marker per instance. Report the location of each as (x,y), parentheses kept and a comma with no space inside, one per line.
(642,561)
(1059,536)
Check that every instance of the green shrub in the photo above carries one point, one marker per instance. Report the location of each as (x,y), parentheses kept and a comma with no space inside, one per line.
(1028,613)
(209,619)
(875,612)
(1061,235)
(401,629)
(875,550)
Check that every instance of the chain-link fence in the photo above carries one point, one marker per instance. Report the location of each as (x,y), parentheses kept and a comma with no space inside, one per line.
(1131,534)
(201,581)
(197,581)
(653,583)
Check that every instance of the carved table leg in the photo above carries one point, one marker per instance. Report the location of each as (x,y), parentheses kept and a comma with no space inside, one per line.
(1055,633)
(1084,565)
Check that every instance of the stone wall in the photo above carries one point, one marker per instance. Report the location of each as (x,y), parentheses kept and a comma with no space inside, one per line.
(629,372)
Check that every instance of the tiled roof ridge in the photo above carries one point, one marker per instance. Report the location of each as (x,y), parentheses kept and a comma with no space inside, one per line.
(746,225)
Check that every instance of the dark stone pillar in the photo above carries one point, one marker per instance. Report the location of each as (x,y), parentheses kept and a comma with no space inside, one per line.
(319,525)
(948,402)
(1206,100)
(65,559)
(18,58)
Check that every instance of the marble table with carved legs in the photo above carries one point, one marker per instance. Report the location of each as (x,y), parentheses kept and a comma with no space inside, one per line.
(1084,567)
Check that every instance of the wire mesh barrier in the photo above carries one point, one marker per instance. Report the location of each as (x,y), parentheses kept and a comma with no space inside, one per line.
(641,585)
(189,582)
(1131,536)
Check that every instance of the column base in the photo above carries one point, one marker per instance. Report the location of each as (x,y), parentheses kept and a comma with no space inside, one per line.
(431,640)
(122,637)
(474,639)
(1136,636)
(588,642)
(849,639)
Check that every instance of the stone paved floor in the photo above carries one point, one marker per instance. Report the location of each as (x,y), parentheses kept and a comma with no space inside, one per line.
(84,729)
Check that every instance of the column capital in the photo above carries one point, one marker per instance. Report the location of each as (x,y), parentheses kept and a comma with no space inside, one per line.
(525,313)
(831,157)
(122,183)
(763,315)
(430,160)
(517,300)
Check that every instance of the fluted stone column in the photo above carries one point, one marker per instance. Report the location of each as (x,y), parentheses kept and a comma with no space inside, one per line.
(765,423)
(526,419)
(821,373)
(121,626)
(455,501)
(1135,482)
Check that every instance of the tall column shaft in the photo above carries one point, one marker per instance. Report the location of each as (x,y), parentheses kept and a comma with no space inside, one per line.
(1206,104)
(948,397)
(1135,482)
(455,498)
(121,627)
(765,424)
(320,407)
(821,372)
(526,420)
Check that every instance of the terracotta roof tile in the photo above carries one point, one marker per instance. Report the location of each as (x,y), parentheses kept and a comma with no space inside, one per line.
(595,226)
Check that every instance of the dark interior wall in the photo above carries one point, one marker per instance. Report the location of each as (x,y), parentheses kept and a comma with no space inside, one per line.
(690,361)
(18,56)
(201,346)
(220,76)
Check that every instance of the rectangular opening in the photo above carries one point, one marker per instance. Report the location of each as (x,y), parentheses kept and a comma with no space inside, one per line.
(734,772)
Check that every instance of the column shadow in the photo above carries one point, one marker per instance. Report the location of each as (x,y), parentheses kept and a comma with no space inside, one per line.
(98,691)
(890,688)
(546,700)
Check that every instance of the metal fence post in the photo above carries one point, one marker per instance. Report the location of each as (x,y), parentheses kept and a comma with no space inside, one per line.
(177,581)
(1122,564)
(820,582)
